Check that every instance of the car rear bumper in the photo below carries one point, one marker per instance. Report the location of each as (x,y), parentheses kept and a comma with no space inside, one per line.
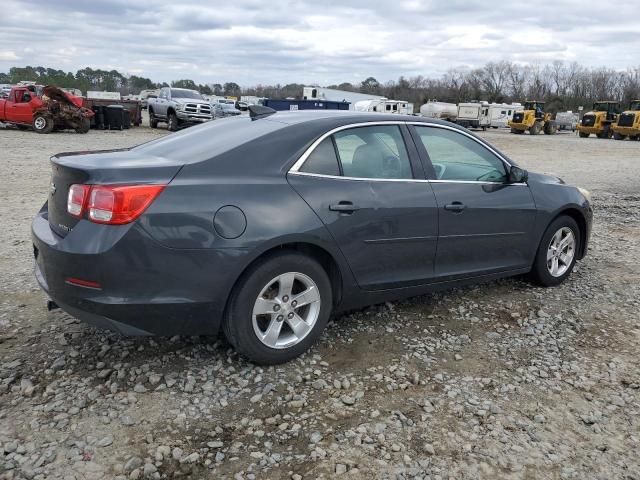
(145,288)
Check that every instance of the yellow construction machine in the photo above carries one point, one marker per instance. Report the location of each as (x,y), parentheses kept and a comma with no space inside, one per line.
(628,124)
(599,120)
(534,119)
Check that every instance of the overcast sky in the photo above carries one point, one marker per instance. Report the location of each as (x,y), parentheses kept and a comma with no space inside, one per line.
(321,41)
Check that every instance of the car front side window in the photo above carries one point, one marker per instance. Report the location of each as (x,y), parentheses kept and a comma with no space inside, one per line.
(377,152)
(456,157)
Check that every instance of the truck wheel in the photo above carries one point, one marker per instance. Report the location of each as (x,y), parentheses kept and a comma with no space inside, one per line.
(583,134)
(550,128)
(535,129)
(172,122)
(84,127)
(153,121)
(516,131)
(618,136)
(43,124)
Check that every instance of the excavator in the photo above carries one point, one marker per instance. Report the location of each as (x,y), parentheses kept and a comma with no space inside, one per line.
(534,119)
(599,120)
(628,124)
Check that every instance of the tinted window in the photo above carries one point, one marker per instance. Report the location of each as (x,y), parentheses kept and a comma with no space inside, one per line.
(322,160)
(373,152)
(457,157)
(181,93)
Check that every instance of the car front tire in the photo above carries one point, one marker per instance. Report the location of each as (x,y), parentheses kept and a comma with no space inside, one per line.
(43,124)
(172,122)
(557,252)
(279,308)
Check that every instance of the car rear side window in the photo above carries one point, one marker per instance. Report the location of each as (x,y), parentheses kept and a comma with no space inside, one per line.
(457,157)
(323,160)
(373,152)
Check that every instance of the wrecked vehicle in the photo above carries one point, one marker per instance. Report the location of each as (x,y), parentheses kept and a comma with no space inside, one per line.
(45,109)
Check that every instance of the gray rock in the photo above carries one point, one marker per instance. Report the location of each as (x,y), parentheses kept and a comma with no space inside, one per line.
(132,464)
(105,441)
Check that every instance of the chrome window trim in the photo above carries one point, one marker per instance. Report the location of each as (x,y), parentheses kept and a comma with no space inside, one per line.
(296,166)
(295,169)
(409,180)
(478,141)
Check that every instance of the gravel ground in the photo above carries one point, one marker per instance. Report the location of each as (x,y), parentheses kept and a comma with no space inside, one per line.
(502,380)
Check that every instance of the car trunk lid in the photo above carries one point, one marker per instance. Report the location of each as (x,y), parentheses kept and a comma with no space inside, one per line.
(110,167)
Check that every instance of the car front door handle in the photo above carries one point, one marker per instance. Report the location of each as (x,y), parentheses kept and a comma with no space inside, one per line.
(456,207)
(344,207)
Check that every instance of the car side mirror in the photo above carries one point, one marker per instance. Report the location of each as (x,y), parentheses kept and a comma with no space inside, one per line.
(518,175)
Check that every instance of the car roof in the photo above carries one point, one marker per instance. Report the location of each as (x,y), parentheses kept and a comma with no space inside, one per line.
(345,116)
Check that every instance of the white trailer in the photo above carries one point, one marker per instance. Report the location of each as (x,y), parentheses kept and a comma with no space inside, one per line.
(384,105)
(484,114)
(330,94)
(441,110)
(499,114)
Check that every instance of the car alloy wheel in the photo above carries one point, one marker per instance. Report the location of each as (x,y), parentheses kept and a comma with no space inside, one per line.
(561,251)
(286,310)
(40,123)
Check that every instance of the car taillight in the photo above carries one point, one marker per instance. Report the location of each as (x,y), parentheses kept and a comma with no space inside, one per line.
(77,199)
(120,204)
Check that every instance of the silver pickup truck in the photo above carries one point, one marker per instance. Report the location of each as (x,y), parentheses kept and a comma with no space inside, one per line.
(178,107)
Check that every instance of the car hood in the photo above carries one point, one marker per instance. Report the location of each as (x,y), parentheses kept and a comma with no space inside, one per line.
(189,100)
(545,178)
(54,93)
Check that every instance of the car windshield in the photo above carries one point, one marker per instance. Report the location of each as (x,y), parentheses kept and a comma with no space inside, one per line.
(601,107)
(179,93)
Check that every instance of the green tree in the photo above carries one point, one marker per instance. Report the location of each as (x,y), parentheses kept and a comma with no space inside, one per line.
(190,84)
(370,85)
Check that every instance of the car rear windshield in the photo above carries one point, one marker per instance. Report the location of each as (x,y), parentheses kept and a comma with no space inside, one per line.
(208,140)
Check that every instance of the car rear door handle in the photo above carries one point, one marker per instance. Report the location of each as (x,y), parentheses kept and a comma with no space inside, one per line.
(344,207)
(456,207)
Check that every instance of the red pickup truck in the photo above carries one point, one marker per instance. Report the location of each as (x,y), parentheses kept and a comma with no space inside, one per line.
(44,109)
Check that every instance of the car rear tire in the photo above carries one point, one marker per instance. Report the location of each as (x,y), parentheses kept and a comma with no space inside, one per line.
(557,252)
(279,308)
(43,124)
(172,122)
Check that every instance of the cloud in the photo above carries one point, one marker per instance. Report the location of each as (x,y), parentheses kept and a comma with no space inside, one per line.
(252,41)
(7,55)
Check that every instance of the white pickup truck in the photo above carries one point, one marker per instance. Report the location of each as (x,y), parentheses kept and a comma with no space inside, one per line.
(178,107)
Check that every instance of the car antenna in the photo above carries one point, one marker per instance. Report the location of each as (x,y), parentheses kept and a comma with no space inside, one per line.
(260,111)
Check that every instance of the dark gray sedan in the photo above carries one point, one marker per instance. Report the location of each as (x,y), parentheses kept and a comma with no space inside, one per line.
(266,225)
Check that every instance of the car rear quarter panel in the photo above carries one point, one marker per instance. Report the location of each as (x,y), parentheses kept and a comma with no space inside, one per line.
(251,178)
